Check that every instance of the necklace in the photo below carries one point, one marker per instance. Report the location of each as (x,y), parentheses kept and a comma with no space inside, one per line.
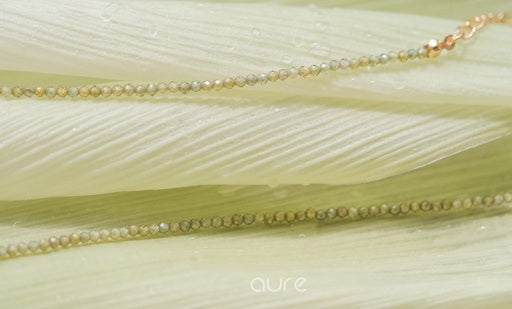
(55,243)
(430,50)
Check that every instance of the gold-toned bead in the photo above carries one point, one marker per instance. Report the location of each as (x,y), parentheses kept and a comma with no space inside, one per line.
(303,72)
(117,90)
(12,250)
(477,201)
(422,52)
(140,90)
(162,88)
(446,204)
(425,205)
(154,228)
(133,230)
(259,218)
(206,222)
(263,78)
(354,63)
(106,91)
(273,76)
(22,248)
(364,61)
(124,232)
(216,222)
(206,85)
(415,206)
(290,216)
(374,210)
(54,242)
(185,226)
(321,215)
(195,86)
(395,210)
(95,91)
(363,212)
(498,199)
(251,79)
(218,84)
(229,83)
(353,212)
(269,218)
(240,81)
(344,64)
(433,49)
(195,224)
(436,206)
(507,197)
(84,237)
(84,91)
(238,219)
(28,92)
(44,244)
(17,91)
(279,216)
(404,208)
(151,89)
(163,227)
(283,74)
(373,60)
(310,213)
(115,233)
(50,92)
(403,55)
(456,204)
(227,221)
(331,213)
(300,216)
(128,89)
(314,69)
(342,212)
(466,203)
(62,91)
(33,246)
(143,230)
(39,91)
(173,87)
(248,219)
(64,241)
(174,227)
(72,91)
(384,209)
(94,236)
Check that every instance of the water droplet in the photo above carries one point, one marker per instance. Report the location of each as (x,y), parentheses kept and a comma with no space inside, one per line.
(276,109)
(483,227)
(287,59)
(109,11)
(256,32)
(320,50)
(321,25)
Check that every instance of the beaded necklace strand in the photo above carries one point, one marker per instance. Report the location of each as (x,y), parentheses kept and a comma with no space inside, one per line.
(430,50)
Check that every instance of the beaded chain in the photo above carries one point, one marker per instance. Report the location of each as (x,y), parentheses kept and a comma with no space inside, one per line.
(55,243)
(430,50)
